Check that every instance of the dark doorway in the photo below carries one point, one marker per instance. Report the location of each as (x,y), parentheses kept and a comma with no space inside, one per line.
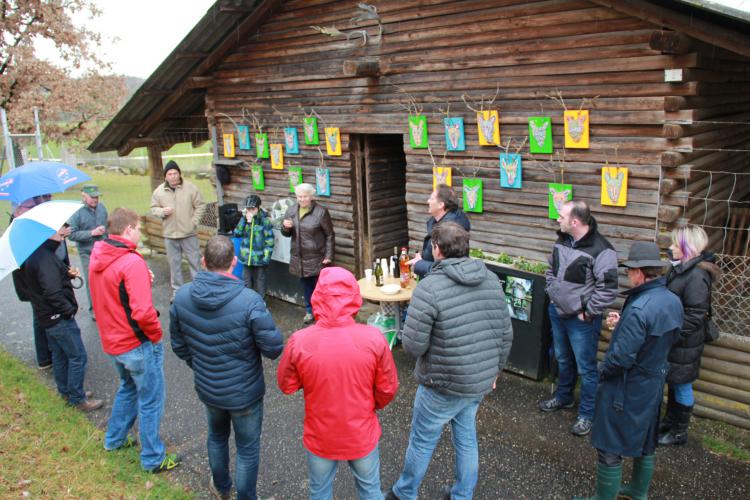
(379,188)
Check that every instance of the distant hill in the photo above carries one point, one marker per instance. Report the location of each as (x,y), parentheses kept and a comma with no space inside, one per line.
(132,83)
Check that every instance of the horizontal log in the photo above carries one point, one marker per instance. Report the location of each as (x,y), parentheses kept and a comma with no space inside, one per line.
(735,342)
(722,404)
(726,380)
(725,367)
(721,416)
(670,42)
(723,391)
(359,67)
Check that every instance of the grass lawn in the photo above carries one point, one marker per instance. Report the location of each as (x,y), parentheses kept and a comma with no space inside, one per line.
(131,191)
(50,450)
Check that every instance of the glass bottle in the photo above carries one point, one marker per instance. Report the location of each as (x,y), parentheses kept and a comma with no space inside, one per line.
(403,265)
(378,273)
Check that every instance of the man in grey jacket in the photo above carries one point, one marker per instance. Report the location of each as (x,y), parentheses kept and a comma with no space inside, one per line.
(459,329)
(87,226)
(581,284)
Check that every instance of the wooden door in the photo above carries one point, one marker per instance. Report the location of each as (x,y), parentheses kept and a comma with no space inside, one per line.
(379,165)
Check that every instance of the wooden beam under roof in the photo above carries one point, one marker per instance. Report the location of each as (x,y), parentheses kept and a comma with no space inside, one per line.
(689,25)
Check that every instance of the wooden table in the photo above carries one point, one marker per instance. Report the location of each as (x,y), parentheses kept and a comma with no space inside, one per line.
(389,304)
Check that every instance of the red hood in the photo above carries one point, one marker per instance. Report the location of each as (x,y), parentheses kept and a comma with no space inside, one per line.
(108,251)
(336,296)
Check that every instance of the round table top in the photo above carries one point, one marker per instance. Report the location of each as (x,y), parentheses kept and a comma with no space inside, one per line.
(371,292)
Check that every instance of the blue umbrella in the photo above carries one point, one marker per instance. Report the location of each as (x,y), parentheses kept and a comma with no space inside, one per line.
(37,178)
(28,231)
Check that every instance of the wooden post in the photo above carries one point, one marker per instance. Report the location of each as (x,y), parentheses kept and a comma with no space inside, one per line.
(155,166)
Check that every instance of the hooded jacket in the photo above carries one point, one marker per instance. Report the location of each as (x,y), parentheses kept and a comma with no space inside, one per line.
(691,281)
(256,245)
(423,267)
(344,368)
(582,276)
(46,284)
(458,328)
(121,295)
(312,240)
(188,206)
(221,329)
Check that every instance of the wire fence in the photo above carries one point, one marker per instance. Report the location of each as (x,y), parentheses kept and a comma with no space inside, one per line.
(730,299)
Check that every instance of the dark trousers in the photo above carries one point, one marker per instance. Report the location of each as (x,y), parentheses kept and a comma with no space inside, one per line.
(308,287)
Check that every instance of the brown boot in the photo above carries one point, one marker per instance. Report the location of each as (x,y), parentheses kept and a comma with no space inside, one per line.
(90,405)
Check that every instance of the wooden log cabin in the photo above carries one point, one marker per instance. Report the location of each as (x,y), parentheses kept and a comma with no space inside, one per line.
(666,84)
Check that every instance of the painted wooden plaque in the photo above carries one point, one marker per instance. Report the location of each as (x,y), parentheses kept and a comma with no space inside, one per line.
(291,141)
(243,137)
(418,132)
(488,123)
(277,156)
(310,129)
(615,186)
(322,181)
(454,134)
(295,178)
(441,175)
(576,129)
(540,134)
(228,145)
(510,170)
(259,181)
(558,195)
(472,191)
(333,141)
(261,146)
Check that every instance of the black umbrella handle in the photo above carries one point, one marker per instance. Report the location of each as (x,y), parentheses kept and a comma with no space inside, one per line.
(76,282)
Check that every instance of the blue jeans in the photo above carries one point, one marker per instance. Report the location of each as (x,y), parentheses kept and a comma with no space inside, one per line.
(41,346)
(68,359)
(432,411)
(141,394)
(308,287)
(575,344)
(247,425)
(683,394)
(366,472)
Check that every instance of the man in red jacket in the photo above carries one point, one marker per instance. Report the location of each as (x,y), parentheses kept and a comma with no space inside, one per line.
(340,419)
(131,335)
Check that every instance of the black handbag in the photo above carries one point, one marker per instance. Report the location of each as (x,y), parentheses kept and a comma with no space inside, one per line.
(711,332)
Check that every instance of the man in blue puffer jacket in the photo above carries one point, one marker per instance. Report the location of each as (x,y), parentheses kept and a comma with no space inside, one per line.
(221,329)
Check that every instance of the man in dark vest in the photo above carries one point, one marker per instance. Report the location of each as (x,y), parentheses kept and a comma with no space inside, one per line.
(631,377)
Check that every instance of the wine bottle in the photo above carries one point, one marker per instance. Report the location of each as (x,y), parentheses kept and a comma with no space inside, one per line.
(378,274)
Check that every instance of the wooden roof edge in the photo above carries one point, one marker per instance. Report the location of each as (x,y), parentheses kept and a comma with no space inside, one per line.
(195,79)
(700,29)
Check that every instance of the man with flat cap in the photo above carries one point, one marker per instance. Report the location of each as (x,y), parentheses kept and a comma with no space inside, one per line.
(631,377)
(180,206)
(87,226)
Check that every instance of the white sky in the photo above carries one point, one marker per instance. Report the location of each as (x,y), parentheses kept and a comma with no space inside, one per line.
(137,35)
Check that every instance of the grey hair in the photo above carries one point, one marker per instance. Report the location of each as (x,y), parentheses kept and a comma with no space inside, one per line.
(304,188)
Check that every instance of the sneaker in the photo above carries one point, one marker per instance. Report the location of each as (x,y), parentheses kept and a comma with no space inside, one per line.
(90,405)
(130,442)
(554,404)
(171,461)
(581,427)
(216,493)
(308,318)
(45,366)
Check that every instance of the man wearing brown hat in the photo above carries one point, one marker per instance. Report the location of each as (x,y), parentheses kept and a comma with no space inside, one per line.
(180,206)
(87,226)
(631,376)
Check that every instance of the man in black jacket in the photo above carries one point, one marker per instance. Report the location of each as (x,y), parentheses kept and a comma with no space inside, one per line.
(47,280)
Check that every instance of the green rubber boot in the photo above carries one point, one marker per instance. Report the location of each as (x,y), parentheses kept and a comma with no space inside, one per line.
(607,483)
(643,471)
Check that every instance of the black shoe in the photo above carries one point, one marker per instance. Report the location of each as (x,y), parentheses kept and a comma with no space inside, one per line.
(582,426)
(45,366)
(678,434)
(391,495)
(554,404)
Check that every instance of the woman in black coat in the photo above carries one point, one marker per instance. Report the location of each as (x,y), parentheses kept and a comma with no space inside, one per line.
(309,225)
(690,278)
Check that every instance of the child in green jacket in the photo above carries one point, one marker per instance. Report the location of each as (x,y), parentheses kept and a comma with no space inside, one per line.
(256,246)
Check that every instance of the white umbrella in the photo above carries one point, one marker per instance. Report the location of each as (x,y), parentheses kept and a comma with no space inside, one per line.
(28,231)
